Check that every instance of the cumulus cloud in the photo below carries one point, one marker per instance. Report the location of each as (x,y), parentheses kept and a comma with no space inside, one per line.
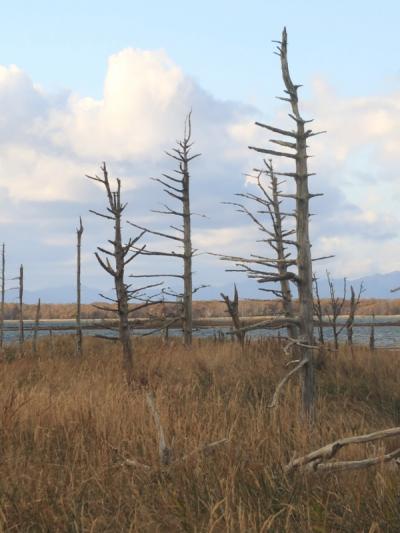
(49,141)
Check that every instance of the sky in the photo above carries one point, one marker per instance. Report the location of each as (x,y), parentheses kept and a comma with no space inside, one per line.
(82,82)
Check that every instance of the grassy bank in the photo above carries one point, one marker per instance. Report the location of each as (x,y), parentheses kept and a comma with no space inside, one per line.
(66,426)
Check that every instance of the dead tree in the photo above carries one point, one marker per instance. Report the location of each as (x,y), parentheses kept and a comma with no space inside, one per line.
(354,303)
(36,328)
(336,305)
(121,255)
(233,310)
(276,237)
(318,311)
(296,144)
(372,334)
(179,189)
(20,306)
(79,232)
(3,292)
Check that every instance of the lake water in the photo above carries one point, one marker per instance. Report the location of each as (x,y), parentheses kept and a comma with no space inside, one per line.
(385,336)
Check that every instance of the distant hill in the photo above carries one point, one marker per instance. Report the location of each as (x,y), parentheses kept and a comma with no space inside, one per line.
(57,295)
(376,285)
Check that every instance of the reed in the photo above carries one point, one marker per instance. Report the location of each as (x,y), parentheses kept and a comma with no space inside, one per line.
(68,424)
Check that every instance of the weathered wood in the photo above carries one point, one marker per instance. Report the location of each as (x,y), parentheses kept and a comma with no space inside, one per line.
(302,196)
(233,310)
(120,256)
(354,302)
(36,328)
(318,311)
(165,452)
(187,238)
(286,378)
(315,459)
(179,189)
(372,335)
(20,307)
(3,292)
(336,306)
(287,300)
(79,232)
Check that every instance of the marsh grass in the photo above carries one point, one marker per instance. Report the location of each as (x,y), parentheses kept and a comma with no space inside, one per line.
(66,426)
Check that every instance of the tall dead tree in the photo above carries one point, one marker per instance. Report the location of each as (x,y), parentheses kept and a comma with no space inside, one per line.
(114,262)
(179,189)
(354,303)
(20,306)
(335,309)
(3,292)
(79,232)
(276,237)
(295,141)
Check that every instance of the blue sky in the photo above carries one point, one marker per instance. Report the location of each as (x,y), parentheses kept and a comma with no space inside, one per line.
(96,80)
(224,44)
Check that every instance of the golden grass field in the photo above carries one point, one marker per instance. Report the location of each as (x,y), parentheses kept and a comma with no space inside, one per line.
(68,424)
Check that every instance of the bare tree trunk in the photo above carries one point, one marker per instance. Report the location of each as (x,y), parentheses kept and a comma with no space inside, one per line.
(304,262)
(51,342)
(122,290)
(350,320)
(3,292)
(277,239)
(336,307)
(233,310)
(298,144)
(354,302)
(179,189)
(35,330)
(79,232)
(21,313)
(319,312)
(188,252)
(282,256)
(120,254)
(372,335)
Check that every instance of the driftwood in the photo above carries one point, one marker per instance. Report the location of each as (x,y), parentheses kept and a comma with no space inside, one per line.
(166,457)
(315,461)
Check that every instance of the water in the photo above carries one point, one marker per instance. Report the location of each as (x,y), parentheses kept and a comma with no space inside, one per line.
(385,336)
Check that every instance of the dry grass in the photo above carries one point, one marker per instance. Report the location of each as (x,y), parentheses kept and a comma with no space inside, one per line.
(67,424)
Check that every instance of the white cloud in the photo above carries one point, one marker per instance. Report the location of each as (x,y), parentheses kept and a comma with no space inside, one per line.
(48,142)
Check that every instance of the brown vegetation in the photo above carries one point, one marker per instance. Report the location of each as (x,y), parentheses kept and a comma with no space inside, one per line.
(201,309)
(68,424)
